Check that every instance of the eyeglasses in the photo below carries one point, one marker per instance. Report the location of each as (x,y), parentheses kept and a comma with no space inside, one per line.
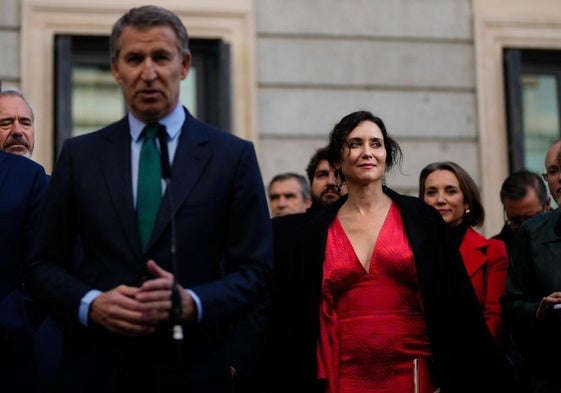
(551,171)
(516,222)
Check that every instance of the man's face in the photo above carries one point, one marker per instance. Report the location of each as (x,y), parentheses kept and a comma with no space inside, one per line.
(285,197)
(518,211)
(149,69)
(324,189)
(552,168)
(16,126)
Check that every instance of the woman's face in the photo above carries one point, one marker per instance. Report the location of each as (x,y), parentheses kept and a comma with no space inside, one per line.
(363,159)
(442,190)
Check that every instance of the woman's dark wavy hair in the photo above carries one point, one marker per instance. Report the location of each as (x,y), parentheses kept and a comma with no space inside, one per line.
(472,197)
(338,139)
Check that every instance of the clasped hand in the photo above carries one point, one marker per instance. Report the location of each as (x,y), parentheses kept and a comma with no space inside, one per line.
(137,311)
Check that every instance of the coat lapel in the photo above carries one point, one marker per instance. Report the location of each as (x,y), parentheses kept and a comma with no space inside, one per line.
(315,236)
(311,249)
(473,251)
(417,225)
(552,231)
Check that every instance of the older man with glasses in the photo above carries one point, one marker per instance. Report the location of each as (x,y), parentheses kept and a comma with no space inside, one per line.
(532,303)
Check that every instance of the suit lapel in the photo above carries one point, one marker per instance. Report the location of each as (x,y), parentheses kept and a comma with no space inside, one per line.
(550,231)
(192,155)
(116,164)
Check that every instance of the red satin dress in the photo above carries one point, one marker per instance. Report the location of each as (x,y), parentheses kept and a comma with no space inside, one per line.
(372,325)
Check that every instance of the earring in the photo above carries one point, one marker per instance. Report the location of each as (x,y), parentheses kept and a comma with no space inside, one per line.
(338,181)
(467,212)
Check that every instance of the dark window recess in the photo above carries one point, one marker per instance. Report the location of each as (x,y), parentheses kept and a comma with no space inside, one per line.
(533,96)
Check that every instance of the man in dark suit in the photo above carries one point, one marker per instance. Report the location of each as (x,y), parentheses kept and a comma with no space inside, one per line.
(43,338)
(22,189)
(533,290)
(115,306)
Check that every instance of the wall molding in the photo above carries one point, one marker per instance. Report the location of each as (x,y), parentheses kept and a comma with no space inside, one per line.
(497,25)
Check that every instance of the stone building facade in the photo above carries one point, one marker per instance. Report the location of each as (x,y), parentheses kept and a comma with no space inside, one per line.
(432,69)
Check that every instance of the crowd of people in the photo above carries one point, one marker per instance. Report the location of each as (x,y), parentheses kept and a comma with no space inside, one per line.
(152,261)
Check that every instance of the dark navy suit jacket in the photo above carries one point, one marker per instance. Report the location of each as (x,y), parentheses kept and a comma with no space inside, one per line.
(22,189)
(224,254)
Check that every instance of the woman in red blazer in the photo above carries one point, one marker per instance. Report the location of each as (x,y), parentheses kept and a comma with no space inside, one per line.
(452,191)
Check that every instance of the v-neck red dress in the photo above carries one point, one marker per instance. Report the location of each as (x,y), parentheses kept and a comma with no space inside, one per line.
(372,324)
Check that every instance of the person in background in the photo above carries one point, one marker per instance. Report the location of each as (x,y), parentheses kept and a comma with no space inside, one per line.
(325,187)
(552,174)
(22,188)
(289,193)
(17,136)
(534,286)
(169,267)
(17,127)
(523,195)
(379,287)
(448,188)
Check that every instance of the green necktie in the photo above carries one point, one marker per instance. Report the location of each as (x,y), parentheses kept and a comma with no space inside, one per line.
(149,187)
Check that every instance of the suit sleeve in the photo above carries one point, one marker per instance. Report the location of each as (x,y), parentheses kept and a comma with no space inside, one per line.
(247,258)
(523,294)
(49,266)
(35,209)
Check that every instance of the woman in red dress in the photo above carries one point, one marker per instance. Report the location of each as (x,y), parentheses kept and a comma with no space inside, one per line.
(378,287)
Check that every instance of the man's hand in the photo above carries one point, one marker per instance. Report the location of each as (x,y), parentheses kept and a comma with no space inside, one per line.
(545,309)
(155,294)
(132,311)
(158,290)
(119,312)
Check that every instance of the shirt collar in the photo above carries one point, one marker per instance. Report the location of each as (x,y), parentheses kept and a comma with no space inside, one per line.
(173,122)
